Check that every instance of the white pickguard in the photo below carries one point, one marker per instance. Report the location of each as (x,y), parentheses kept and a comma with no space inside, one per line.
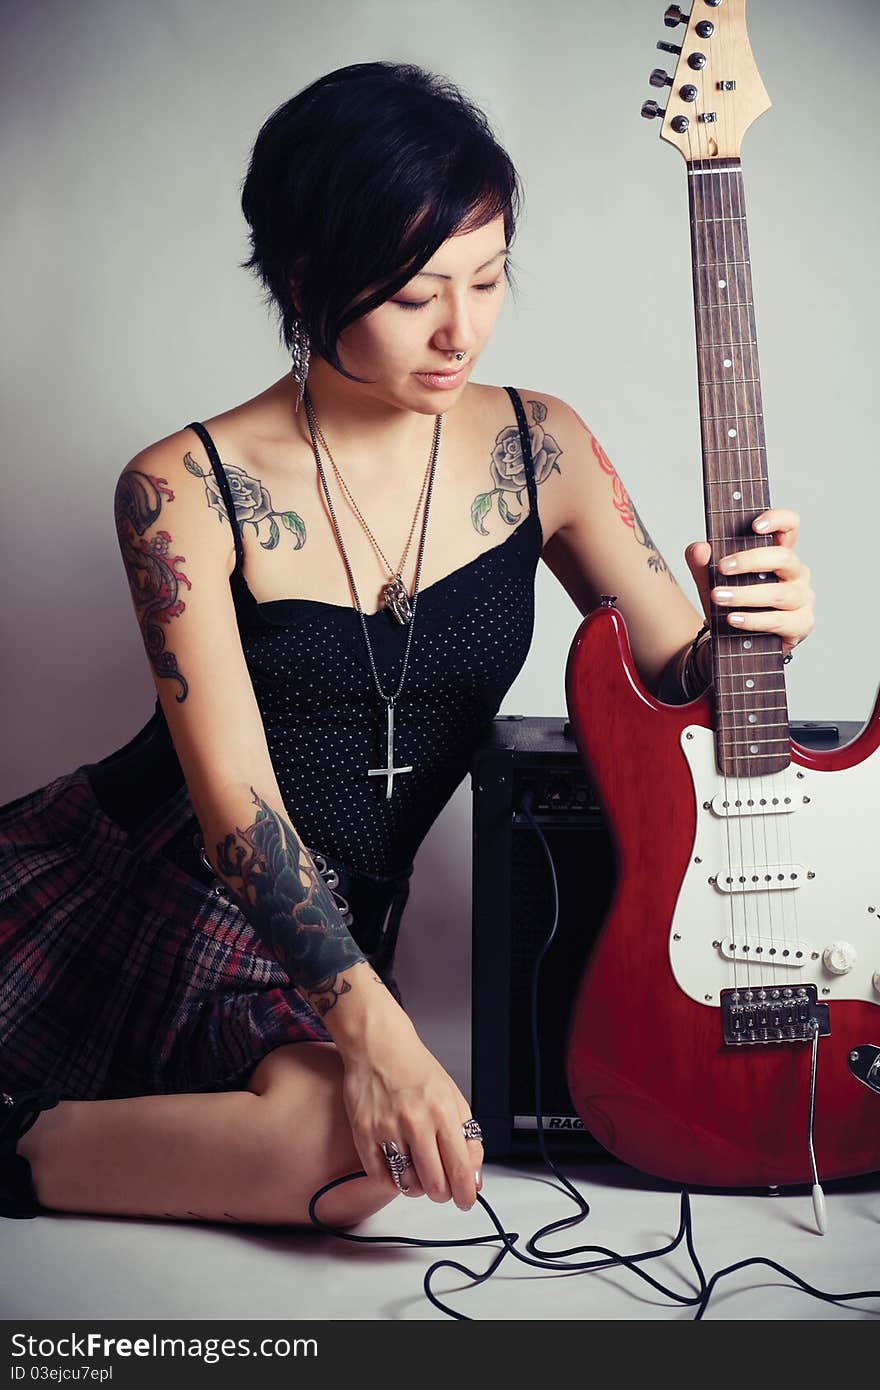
(770,889)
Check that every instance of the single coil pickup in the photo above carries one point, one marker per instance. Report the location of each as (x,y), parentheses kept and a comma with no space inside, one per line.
(752,805)
(772,1015)
(767,950)
(760,878)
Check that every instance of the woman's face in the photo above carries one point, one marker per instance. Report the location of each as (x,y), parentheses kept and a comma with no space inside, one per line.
(450,306)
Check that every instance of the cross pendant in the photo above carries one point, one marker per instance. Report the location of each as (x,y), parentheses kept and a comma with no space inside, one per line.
(390,770)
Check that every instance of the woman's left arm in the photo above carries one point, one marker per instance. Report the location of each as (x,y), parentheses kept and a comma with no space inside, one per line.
(597,543)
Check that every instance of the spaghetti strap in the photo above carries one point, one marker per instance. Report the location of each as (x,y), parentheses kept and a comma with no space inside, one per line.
(223,484)
(528,461)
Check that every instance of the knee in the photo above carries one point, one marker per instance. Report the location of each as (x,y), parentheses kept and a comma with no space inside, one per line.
(306,1142)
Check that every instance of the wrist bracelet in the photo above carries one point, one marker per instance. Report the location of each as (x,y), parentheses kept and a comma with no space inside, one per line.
(688,671)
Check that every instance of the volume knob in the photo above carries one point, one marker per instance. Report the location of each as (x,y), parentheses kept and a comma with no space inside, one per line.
(839,958)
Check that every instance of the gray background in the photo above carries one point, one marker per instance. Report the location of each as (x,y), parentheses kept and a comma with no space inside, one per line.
(126,129)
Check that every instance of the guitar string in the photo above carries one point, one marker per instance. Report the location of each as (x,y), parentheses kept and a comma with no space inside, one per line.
(698,205)
(776,899)
(751,907)
(780,832)
(732,308)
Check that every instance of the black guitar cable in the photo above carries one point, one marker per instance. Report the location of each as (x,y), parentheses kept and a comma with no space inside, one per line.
(556,1260)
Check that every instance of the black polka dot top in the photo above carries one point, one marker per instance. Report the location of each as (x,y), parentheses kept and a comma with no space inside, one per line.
(324,721)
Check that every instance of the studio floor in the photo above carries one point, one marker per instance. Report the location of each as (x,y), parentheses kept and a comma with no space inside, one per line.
(77,1267)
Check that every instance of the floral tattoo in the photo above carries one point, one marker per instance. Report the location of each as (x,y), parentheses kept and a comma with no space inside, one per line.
(153,575)
(252,503)
(508,467)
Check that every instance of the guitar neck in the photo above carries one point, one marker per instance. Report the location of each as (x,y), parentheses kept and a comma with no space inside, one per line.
(752,727)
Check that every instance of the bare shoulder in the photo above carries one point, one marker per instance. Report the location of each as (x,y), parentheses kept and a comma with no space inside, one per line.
(173,477)
(560,442)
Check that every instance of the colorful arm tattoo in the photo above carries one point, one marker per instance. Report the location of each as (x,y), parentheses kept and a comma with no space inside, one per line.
(278,888)
(153,576)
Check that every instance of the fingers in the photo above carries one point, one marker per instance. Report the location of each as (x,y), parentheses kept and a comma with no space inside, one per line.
(780,522)
(447,1163)
(764,559)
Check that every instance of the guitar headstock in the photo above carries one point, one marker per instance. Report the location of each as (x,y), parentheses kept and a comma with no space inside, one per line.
(716,90)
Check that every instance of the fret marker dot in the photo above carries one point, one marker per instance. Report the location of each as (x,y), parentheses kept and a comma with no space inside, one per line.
(762,576)
(753,719)
(731,434)
(750,683)
(737,496)
(727,362)
(722,284)
(747,642)
(753,747)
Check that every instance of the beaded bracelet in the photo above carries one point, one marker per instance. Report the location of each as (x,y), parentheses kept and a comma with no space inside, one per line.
(688,671)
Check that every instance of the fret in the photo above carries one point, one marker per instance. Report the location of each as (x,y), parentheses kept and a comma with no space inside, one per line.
(777,739)
(732,304)
(733,381)
(768,690)
(697,173)
(746,342)
(737,449)
(761,656)
(771,724)
(741,477)
(765,708)
(758,415)
(701,264)
(729,218)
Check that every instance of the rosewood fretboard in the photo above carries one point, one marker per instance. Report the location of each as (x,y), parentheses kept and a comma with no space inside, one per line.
(751,709)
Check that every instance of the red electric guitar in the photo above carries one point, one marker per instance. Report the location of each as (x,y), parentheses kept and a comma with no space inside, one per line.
(727,1014)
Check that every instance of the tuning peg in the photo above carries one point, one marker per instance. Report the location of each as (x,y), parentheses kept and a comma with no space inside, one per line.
(674,16)
(659,78)
(650,109)
(668,47)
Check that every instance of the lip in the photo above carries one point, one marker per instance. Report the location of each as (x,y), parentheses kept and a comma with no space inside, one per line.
(442,381)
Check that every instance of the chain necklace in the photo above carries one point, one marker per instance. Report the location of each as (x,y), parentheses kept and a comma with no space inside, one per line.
(394,594)
(390,771)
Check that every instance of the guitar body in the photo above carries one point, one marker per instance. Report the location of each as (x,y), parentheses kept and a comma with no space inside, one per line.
(647,1067)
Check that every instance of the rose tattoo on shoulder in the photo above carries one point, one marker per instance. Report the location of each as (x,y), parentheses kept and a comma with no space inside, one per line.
(508,469)
(252,503)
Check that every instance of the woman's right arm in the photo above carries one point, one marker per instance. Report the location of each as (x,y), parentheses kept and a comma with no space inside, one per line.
(178,561)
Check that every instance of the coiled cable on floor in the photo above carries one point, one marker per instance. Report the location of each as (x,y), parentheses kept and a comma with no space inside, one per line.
(701,1288)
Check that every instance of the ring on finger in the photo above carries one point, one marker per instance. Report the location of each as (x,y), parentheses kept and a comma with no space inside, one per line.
(471,1130)
(397,1161)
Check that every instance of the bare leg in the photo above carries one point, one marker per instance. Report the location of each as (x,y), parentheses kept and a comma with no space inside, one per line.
(234,1156)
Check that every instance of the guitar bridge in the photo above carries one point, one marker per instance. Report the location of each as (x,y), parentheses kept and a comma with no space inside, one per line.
(776,1014)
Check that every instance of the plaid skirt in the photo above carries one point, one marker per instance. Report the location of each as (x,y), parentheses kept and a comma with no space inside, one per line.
(124,967)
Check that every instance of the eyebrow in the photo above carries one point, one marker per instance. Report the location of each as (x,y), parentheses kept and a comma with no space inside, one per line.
(435,274)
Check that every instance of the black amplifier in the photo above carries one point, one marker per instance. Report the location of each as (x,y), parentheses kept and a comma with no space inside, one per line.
(513,914)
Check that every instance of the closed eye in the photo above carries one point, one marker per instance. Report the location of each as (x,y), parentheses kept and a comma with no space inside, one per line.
(423,303)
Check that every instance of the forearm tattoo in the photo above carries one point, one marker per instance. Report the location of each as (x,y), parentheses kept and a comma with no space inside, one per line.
(508,470)
(251,501)
(153,574)
(278,888)
(626,509)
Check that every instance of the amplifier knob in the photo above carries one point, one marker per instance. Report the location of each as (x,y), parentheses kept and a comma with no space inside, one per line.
(839,958)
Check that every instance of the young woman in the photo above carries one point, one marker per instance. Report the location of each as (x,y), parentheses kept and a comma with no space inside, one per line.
(334,581)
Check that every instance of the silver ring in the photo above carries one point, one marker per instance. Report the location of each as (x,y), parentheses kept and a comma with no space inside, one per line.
(471,1130)
(397,1161)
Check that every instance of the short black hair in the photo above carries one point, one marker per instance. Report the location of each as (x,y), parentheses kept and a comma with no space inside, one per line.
(356,181)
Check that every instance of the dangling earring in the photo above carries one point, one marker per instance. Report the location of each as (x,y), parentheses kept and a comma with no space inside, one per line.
(300,350)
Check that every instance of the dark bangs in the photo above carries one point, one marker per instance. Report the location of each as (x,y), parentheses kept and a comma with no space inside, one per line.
(356,181)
